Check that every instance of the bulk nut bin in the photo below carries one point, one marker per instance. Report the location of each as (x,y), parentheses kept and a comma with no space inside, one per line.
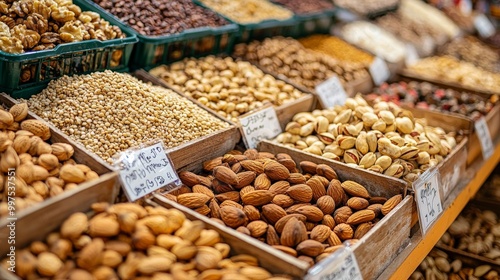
(74,39)
(428,96)
(41,167)
(129,241)
(370,9)
(170,30)
(108,112)
(384,139)
(303,209)
(256,19)
(232,87)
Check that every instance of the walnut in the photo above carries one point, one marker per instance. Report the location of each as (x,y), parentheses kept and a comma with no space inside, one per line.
(11,45)
(62,14)
(53,27)
(50,38)
(8,20)
(75,9)
(42,8)
(17,9)
(63,3)
(4,8)
(94,17)
(97,34)
(29,38)
(37,23)
(42,47)
(4,30)
(71,32)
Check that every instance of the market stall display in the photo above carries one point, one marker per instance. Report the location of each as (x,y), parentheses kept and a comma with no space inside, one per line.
(472,50)
(368,8)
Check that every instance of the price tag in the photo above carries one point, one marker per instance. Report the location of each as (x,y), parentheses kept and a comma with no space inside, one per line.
(379,71)
(483,133)
(411,55)
(428,198)
(145,170)
(428,44)
(484,26)
(331,92)
(341,265)
(262,124)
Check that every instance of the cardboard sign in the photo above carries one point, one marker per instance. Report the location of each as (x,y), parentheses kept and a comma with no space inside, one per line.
(341,265)
(262,124)
(428,198)
(483,133)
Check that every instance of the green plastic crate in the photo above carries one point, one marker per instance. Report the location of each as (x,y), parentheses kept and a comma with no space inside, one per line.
(22,75)
(261,30)
(314,23)
(152,51)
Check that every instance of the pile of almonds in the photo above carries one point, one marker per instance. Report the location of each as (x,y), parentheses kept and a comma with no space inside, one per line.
(384,138)
(305,214)
(32,169)
(128,241)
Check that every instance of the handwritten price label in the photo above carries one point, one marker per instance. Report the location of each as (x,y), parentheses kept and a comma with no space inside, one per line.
(331,92)
(341,265)
(263,124)
(483,133)
(145,170)
(428,198)
(484,26)
(379,71)
(411,55)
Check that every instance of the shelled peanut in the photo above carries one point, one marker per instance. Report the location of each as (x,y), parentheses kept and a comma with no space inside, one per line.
(449,69)
(128,241)
(300,208)
(248,11)
(229,87)
(32,169)
(476,231)
(109,112)
(384,138)
(286,56)
(439,266)
(336,48)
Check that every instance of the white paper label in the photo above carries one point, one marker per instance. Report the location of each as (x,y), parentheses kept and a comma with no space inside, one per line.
(428,44)
(483,133)
(263,124)
(411,55)
(341,266)
(145,170)
(331,92)
(379,71)
(428,198)
(484,26)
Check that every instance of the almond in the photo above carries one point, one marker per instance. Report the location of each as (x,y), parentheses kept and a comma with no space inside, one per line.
(286,250)
(48,264)
(317,187)
(326,204)
(359,217)
(355,189)
(312,213)
(103,227)
(288,163)
(251,154)
(343,231)
(377,208)
(209,165)
(231,203)
(251,212)
(301,193)
(203,210)
(153,264)
(342,214)
(357,203)
(19,111)
(232,216)
(279,187)
(308,167)
(293,209)
(390,204)
(237,168)
(71,174)
(272,237)
(246,189)
(219,186)
(257,228)
(280,224)
(311,248)
(283,200)
(378,200)
(245,178)
(204,190)
(231,195)
(253,165)
(320,233)
(6,118)
(188,178)
(333,239)
(296,178)
(328,221)
(225,175)
(336,192)
(362,229)
(74,226)
(257,198)
(90,256)
(293,233)
(273,213)
(36,127)
(214,209)
(326,171)
(262,182)
(192,200)
(276,171)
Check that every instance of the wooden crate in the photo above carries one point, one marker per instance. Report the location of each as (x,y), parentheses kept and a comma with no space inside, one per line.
(38,226)
(41,219)
(397,223)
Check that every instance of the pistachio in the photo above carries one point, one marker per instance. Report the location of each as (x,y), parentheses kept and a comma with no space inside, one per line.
(409,152)
(376,168)
(334,149)
(301,145)
(384,162)
(293,128)
(321,124)
(319,144)
(311,139)
(306,129)
(326,138)
(371,139)
(313,150)
(423,145)
(386,116)
(368,160)
(351,156)
(362,144)
(423,158)
(343,117)
(346,142)
(331,156)
(369,119)
(395,170)
(445,148)
(404,125)
(385,147)
(379,125)
(353,130)
(410,177)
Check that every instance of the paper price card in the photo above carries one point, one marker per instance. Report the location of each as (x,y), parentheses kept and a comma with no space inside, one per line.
(484,26)
(379,71)
(428,198)
(331,92)
(483,133)
(146,169)
(262,124)
(411,55)
(341,265)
